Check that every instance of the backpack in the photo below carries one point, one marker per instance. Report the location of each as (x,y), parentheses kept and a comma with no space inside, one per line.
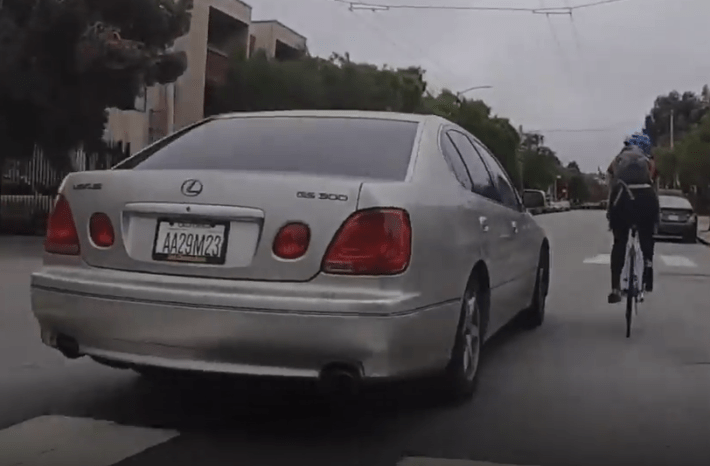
(632,167)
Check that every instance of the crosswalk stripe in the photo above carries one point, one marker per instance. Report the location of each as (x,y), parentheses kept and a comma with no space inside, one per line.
(678,261)
(422,461)
(670,261)
(62,441)
(603,259)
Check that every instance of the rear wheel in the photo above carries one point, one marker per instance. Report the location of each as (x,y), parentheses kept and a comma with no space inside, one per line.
(534,316)
(462,371)
(630,294)
(692,235)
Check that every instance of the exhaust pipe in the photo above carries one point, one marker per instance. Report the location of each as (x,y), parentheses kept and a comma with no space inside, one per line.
(340,379)
(68,346)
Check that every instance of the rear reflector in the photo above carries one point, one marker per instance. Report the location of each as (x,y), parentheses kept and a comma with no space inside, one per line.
(371,242)
(101,230)
(292,241)
(62,237)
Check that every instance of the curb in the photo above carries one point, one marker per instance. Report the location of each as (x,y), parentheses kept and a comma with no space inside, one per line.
(703,241)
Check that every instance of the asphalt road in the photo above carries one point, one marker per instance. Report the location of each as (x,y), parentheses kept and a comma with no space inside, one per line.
(574,392)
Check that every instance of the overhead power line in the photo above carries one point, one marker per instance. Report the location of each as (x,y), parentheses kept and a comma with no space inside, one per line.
(562,10)
(581,130)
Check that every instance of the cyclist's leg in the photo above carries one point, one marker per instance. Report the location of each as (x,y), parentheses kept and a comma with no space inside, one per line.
(619,223)
(618,256)
(647,207)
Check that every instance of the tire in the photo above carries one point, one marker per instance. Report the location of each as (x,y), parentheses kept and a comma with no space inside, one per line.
(534,316)
(461,374)
(159,375)
(692,236)
(630,297)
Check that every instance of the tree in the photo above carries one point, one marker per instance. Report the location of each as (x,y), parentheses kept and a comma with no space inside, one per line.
(687,109)
(540,164)
(312,83)
(692,156)
(573,167)
(63,63)
(579,190)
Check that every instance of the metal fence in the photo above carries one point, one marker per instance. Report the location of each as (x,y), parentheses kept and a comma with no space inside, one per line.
(29,186)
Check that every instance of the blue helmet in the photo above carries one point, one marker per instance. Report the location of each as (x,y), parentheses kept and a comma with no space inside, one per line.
(641,141)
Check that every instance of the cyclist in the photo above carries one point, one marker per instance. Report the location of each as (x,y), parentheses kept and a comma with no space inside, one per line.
(632,201)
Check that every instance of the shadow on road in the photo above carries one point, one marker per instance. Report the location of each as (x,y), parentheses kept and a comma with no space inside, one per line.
(273,406)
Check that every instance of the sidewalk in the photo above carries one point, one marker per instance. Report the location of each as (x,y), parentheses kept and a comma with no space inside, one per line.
(703,233)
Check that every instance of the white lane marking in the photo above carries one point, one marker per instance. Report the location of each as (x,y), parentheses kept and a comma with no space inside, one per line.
(678,261)
(61,441)
(670,261)
(421,461)
(603,259)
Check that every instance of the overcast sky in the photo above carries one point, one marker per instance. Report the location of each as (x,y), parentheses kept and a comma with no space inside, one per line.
(602,70)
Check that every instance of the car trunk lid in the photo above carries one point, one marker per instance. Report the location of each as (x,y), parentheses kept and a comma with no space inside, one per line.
(232,219)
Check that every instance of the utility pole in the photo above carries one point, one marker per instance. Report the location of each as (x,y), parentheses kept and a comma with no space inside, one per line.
(672,135)
(676,181)
(520,153)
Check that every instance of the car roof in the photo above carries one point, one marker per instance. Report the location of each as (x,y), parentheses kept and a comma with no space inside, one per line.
(413,117)
(671,201)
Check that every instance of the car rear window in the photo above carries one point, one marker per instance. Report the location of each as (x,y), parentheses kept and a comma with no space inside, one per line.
(352,147)
(674,202)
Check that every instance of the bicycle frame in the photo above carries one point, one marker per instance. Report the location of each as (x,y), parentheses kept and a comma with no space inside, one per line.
(632,277)
(633,264)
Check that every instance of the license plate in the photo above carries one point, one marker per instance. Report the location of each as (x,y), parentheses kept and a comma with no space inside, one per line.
(673,218)
(180,241)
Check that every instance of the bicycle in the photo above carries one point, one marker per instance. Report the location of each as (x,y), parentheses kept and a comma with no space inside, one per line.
(632,277)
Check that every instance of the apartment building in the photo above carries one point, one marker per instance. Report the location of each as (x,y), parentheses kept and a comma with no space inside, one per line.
(218,29)
(277,40)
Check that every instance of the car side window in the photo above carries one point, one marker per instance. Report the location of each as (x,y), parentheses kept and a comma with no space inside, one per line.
(508,195)
(454,160)
(19,189)
(482,182)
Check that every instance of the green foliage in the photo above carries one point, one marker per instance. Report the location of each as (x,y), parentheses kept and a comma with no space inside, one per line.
(692,155)
(687,109)
(579,190)
(540,165)
(63,63)
(689,160)
(315,83)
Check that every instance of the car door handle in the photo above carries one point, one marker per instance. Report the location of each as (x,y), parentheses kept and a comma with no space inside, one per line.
(484,224)
(514,224)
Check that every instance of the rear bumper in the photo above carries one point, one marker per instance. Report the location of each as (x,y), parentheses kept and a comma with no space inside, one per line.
(152,320)
(676,229)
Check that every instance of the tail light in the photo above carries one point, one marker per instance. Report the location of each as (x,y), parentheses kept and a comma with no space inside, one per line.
(101,230)
(292,241)
(62,237)
(371,242)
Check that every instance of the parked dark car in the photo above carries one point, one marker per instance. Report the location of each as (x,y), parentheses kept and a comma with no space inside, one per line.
(678,218)
(23,206)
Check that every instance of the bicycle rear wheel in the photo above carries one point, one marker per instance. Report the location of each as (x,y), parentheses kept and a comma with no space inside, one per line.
(631,293)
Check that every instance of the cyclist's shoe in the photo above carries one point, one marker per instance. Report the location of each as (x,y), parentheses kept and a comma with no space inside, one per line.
(614,297)
(648,278)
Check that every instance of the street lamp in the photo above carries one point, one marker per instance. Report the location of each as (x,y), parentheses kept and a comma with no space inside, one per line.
(474,88)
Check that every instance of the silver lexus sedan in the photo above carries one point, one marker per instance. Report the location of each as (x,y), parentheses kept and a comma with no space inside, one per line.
(335,245)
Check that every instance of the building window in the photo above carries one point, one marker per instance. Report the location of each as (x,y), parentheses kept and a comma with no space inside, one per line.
(141,102)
